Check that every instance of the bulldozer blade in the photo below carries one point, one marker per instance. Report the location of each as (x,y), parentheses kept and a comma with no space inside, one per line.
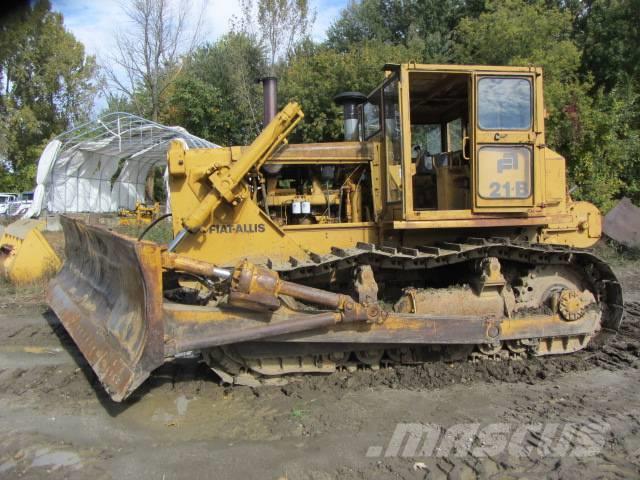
(108,296)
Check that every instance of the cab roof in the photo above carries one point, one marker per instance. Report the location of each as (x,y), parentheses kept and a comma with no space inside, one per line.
(425,67)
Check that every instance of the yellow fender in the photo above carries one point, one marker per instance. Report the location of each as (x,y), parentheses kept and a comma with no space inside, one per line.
(25,255)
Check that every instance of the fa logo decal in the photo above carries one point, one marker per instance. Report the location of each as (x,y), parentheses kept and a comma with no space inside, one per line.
(508,162)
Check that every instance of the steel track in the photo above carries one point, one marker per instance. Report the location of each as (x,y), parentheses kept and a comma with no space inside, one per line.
(600,276)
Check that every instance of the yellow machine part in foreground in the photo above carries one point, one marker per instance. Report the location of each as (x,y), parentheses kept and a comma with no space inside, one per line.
(25,254)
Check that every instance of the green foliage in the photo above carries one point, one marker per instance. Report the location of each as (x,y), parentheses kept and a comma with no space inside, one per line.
(425,25)
(596,131)
(514,32)
(46,84)
(161,232)
(382,20)
(317,73)
(298,413)
(610,41)
(118,103)
(281,24)
(600,134)
(216,95)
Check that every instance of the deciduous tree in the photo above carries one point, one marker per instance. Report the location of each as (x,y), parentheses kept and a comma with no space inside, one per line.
(279,25)
(47,85)
(148,53)
(216,96)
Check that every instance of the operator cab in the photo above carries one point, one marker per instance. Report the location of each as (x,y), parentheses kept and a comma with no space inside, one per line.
(439,116)
(456,138)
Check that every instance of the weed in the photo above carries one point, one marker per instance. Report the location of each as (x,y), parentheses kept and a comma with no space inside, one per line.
(29,294)
(298,413)
(615,253)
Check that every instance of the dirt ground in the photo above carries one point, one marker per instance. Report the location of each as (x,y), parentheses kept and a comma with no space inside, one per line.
(56,421)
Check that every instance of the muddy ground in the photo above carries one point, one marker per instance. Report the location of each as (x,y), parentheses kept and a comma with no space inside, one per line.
(56,422)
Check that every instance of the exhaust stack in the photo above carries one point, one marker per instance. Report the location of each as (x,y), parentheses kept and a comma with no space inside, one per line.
(270,95)
(270,92)
(350,102)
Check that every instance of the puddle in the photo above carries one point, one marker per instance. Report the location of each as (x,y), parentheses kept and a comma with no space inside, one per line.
(199,417)
(6,466)
(19,356)
(43,350)
(182,403)
(165,416)
(56,459)
(38,350)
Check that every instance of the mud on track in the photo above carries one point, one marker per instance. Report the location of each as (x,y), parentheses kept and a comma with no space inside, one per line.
(621,352)
(56,422)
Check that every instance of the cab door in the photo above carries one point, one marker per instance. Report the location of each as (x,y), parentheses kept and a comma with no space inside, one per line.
(504,141)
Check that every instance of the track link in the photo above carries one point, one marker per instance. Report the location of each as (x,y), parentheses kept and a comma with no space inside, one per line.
(603,283)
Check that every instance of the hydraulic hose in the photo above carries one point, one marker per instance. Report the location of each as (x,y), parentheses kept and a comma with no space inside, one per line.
(153,224)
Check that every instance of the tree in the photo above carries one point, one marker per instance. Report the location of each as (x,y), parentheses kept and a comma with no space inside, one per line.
(386,21)
(514,32)
(317,73)
(47,85)
(598,133)
(148,55)
(611,38)
(417,24)
(279,25)
(117,102)
(216,96)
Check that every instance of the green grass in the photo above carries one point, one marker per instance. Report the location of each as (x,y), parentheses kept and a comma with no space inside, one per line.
(160,233)
(30,294)
(298,413)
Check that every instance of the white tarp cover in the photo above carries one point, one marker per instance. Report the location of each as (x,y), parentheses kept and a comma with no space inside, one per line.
(77,170)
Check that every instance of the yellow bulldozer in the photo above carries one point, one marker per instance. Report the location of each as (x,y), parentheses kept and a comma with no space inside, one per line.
(441,228)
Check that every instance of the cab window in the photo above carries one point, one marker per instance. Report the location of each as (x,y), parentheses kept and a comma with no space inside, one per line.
(504,172)
(393,140)
(454,135)
(504,103)
(392,122)
(371,115)
(426,138)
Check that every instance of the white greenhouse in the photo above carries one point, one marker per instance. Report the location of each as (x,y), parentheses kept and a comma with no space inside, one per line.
(103,165)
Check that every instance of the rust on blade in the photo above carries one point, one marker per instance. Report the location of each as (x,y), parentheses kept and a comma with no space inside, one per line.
(108,296)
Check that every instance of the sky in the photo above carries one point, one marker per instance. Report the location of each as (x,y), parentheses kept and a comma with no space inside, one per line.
(94,22)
